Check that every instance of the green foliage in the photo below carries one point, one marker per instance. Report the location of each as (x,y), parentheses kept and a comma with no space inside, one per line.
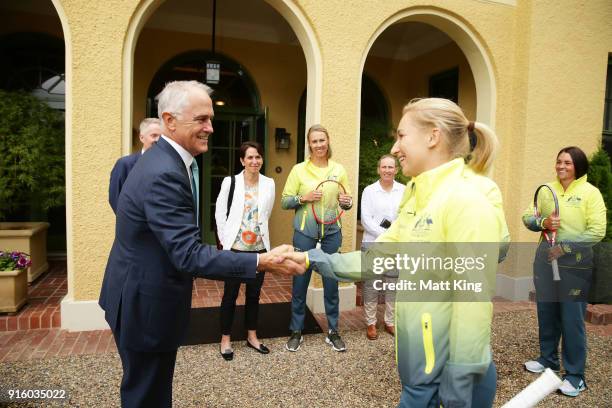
(31,154)
(600,175)
(376,139)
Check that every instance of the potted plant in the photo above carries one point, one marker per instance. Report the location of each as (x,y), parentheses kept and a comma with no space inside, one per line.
(31,173)
(13,280)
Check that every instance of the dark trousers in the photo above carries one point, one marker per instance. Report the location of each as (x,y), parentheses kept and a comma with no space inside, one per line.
(331,299)
(251,305)
(561,311)
(563,321)
(147,376)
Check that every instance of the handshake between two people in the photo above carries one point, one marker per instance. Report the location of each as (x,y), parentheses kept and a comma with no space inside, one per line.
(283,260)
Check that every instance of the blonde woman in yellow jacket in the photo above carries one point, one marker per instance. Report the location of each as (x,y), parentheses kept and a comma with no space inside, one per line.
(561,305)
(443,339)
(299,192)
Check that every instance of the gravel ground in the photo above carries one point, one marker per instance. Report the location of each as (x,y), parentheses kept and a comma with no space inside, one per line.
(364,376)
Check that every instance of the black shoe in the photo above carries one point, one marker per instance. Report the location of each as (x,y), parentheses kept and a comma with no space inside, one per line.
(262,349)
(334,340)
(295,341)
(228,354)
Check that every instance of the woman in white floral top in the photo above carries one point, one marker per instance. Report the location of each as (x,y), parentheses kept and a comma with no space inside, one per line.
(244,228)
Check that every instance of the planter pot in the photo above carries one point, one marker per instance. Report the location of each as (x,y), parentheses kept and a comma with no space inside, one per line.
(28,237)
(13,290)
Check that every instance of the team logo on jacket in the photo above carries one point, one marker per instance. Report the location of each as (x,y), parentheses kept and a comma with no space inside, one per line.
(574,201)
(423,224)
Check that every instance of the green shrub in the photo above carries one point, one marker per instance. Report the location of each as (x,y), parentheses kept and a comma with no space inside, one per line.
(376,139)
(600,175)
(31,154)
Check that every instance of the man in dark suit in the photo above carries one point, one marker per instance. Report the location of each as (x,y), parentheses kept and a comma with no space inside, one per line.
(146,291)
(150,131)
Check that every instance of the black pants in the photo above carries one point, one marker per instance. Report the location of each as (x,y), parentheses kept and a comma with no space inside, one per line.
(251,306)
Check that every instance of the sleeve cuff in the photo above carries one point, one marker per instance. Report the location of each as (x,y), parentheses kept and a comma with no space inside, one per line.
(541,223)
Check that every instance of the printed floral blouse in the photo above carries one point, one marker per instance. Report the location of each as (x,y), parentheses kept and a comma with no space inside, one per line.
(249,235)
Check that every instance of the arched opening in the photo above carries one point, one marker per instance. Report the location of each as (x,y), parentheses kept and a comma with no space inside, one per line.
(238,118)
(34,44)
(422,52)
(33,64)
(256,42)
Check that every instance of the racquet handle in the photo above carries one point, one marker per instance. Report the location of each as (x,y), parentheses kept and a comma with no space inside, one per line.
(535,392)
(555,268)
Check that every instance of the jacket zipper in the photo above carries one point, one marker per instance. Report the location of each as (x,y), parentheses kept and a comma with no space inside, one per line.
(428,346)
(303,220)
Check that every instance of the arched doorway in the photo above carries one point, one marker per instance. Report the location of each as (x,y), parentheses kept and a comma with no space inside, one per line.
(238,118)
(421,52)
(33,61)
(271,40)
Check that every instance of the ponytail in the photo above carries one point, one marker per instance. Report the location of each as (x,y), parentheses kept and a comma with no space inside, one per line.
(447,116)
(486,144)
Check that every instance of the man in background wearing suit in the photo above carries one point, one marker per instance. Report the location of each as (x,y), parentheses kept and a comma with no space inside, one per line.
(146,291)
(150,130)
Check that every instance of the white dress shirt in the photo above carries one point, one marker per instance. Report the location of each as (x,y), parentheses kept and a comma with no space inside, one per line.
(185,155)
(378,204)
(187,159)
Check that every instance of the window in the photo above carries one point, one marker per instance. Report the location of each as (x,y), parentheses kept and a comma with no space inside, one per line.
(34,62)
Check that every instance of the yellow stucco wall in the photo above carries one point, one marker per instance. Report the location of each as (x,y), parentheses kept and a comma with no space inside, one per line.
(98,32)
(548,60)
(560,63)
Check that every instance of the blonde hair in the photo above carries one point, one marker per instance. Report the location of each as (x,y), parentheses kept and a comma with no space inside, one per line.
(447,116)
(322,129)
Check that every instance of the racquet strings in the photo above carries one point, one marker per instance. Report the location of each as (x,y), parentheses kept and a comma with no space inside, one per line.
(328,209)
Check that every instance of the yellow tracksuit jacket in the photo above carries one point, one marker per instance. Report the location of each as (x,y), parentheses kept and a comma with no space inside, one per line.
(445,342)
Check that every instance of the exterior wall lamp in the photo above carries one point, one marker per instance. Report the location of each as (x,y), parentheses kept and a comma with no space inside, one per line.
(282,138)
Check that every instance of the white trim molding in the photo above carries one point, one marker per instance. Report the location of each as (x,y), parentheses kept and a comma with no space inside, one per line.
(348,295)
(512,288)
(82,315)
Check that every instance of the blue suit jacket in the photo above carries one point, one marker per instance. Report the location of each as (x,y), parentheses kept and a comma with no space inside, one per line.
(146,291)
(120,171)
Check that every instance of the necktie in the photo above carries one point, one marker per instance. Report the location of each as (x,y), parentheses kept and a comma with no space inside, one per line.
(195,184)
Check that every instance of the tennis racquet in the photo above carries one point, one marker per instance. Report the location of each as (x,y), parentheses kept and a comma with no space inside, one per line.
(541,204)
(327,210)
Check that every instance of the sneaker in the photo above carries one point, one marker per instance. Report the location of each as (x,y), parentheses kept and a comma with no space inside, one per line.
(568,389)
(334,340)
(534,366)
(294,342)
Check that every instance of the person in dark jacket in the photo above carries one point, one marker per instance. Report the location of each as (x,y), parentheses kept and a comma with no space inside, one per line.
(147,285)
(150,131)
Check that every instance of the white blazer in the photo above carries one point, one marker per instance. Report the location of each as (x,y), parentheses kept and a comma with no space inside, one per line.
(228,228)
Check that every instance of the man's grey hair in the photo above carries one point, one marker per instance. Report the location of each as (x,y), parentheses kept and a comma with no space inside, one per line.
(146,122)
(175,96)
